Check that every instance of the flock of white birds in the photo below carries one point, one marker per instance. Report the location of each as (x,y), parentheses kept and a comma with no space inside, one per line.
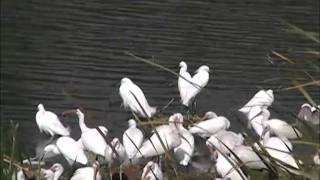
(225,147)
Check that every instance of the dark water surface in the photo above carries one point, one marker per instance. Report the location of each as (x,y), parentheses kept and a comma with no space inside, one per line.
(66,54)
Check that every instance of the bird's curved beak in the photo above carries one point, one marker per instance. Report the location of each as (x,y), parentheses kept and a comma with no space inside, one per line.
(213,152)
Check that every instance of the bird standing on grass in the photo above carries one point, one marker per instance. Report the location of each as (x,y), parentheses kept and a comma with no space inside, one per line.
(134,99)
(49,123)
(189,86)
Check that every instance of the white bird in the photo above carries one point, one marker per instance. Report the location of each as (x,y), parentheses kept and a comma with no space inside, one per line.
(54,172)
(168,135)
(49,123)
(263,98)
(282,129)
(70,150)
(134,99)
(184,151)
(224,140)
(87,173)
(132,139)
(91,139)
(210,126)
(184,85)
(152,171)
(115,154)
(198,82)
(280,149)
(226,167)
(256,116)
(249,157)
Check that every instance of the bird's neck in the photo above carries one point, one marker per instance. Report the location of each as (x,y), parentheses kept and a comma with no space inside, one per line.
(82,125)
(57,174)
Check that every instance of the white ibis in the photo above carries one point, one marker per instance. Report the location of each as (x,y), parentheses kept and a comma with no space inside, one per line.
(91,139)
(132,139)
(249,157)
(280,149)
(210,126)
(184,151)
(282,129)
(70,150)
(168,139)
(48,122)
(263,98)
(152,171)
(224,140)
(134,99)
(226,167)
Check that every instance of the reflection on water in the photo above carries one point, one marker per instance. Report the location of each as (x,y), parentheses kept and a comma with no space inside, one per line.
(71,54)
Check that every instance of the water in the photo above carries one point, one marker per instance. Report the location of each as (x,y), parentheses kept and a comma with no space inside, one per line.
(67,54)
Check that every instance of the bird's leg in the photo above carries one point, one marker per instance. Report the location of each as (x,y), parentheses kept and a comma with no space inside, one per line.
(110,172)
(120,171)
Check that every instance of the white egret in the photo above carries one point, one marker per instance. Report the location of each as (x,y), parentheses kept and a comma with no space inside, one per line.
(70,150)
(49,123)
(249,157)
(198,81)
(134,99)
(54,172)
(91,139)
(87,173)
(132,139)
(279,149)
(184,85)
(210,126)
(152,171)
(224,140)
(263,98)
(168,135)
(184,151)
(226,167)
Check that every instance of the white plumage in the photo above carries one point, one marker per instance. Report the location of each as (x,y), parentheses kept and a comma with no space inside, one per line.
(152,171)
(91,139)
(87,173)
(226,138)
(49,123)
(224,167)
(211,126)
(119,155)
(280,149)
(263,98)
(249,157)
(132,139)
(184,151)
(70,150)
(282,129)
(168,135)
(130,93)
(188,90)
